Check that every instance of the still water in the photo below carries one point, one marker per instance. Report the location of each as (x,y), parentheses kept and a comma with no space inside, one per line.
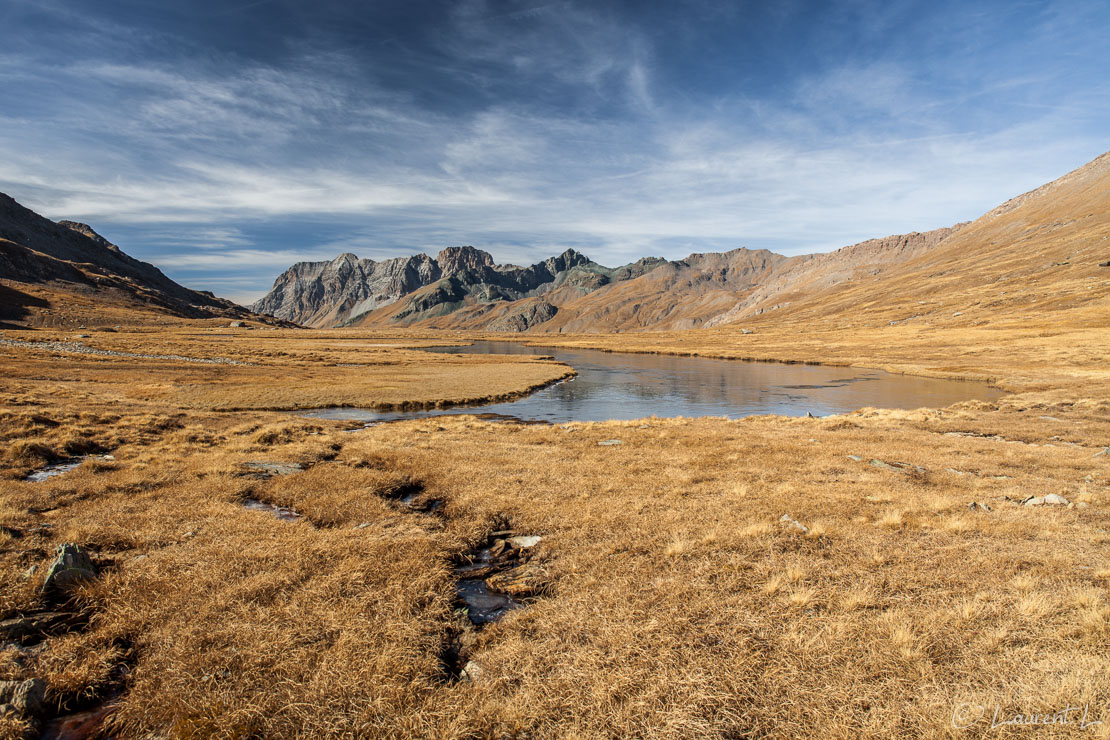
(632,386)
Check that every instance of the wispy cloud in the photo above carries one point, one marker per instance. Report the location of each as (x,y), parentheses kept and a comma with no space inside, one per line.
(539,127)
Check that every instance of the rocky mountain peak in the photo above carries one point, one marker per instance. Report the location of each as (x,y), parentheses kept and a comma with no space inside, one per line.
(454,260)
(86,230)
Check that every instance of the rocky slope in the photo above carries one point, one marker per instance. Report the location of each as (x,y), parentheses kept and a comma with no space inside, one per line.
(462,288)
(73,258)
(410,290)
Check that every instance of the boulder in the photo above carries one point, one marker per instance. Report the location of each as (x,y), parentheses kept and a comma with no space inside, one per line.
(793,524)
(1052,499)
(25,697)
(524,542)
(33,626)
(471,671)
(72,566)
(529,579)
(898,467)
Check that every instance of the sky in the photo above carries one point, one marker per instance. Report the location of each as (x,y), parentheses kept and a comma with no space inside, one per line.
(224,141)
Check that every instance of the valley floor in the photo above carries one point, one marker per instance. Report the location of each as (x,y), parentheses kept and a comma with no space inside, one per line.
(668,598)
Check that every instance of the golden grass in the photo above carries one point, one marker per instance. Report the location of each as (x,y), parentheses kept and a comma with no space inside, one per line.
(680,606)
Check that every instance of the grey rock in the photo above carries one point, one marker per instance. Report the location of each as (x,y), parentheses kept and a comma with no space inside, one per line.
(1052,499)
(793,524)
(898,467)
(746,331)
(25,697)
(471,671)
(855,458)
(72,566)
(523,542)
(32,626)
(609,443)
(976,506)
(235,325)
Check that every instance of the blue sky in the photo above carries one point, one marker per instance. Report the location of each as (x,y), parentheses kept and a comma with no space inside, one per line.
(226,140)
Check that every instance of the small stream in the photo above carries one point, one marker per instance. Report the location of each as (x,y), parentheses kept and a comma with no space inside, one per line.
(624,386)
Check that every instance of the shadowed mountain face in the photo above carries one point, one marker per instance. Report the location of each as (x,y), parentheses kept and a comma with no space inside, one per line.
(462,288)
(71,256)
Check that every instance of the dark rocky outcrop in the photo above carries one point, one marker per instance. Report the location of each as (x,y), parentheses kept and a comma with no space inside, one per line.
(524,317)
(72,567)
(36,250)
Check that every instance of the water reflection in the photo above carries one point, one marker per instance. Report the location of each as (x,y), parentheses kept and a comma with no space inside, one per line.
(631,386)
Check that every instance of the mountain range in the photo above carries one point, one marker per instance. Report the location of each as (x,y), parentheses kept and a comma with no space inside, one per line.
(1045,250)
(1050,239)
(462,288)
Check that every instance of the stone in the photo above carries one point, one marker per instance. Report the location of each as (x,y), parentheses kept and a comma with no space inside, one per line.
(235,325)
(1052,499)
(1102,452)
(976,506)
(609,443)
(524,542)
(855,458)
(1104,264)
(471,671)
(72,566)
(32,626)
(529,579)
(899,467)
(25,697)
(793,524)
(746,331)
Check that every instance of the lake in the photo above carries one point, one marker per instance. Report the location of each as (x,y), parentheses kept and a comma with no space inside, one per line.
(618,385)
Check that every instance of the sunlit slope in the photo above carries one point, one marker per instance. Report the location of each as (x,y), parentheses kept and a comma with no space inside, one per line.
(1037,257)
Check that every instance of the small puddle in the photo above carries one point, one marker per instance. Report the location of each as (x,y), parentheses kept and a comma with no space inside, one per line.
(483,606)
(55,469)
(492,579)
(503,551)
(417,501)
(281,512)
